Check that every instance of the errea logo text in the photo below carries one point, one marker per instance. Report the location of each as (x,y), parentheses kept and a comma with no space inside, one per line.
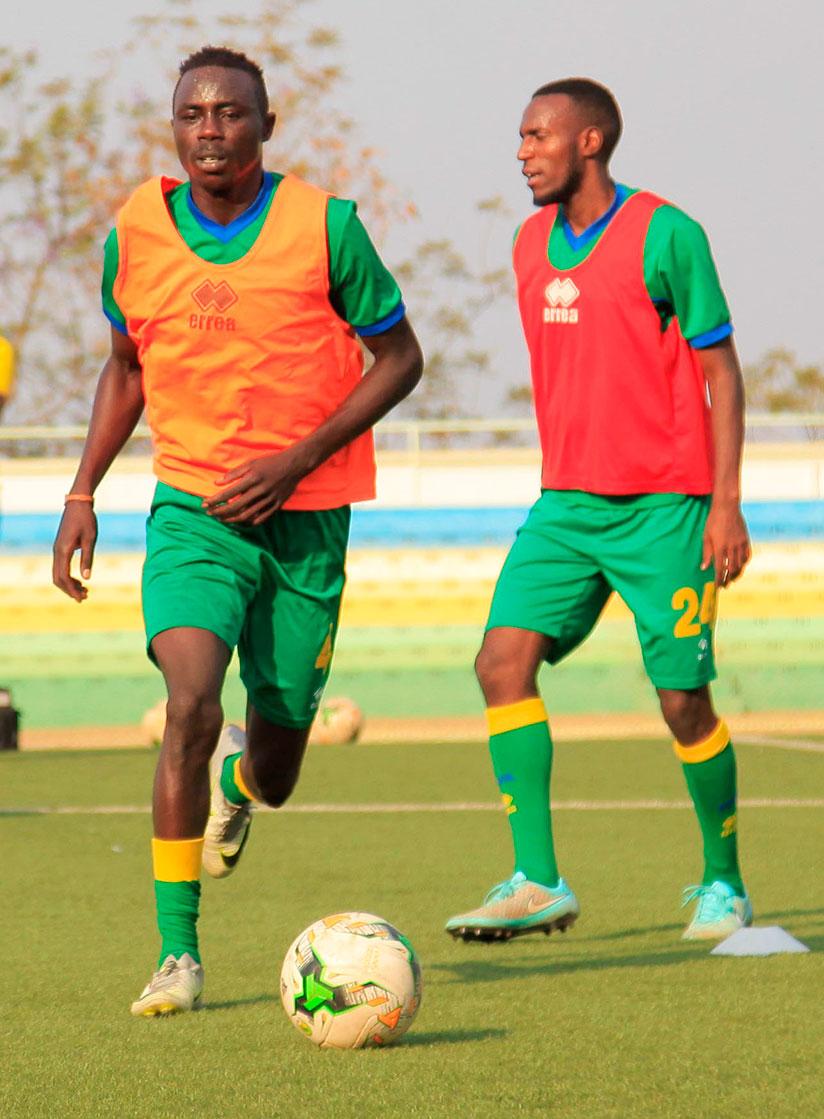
(218,296)
(560,295)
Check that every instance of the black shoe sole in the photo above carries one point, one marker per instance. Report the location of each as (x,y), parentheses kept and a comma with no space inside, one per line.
(473,935)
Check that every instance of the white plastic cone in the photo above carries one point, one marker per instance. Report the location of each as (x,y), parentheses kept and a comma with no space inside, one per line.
(758,941)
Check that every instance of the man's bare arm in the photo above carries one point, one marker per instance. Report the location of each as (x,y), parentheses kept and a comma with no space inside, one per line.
(259,487)
(726,541)
(118,405)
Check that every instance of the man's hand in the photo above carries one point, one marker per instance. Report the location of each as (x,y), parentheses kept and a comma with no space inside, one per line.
(258,488)
(77,532)
(726,542)
(118,403)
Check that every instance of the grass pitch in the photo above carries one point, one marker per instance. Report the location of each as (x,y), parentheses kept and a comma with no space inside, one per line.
(617,1018)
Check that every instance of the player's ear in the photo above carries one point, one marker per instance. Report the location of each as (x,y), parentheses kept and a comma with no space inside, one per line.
(590,142)
(268,125)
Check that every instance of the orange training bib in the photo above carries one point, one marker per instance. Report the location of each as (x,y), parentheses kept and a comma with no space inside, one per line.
(240,360)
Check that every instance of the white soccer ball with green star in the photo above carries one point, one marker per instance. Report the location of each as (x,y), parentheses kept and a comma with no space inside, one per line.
(351,981)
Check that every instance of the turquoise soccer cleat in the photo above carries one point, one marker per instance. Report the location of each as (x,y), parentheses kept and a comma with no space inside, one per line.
(516,907)
(720,911)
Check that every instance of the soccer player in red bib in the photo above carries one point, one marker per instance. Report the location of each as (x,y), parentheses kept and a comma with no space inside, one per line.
(639,400)
(237,300)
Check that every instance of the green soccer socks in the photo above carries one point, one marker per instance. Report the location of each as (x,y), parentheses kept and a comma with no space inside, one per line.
(521,749)
(709,767)
(176,865)
(232,783)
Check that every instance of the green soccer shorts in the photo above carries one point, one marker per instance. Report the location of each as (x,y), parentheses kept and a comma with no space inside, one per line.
(575,549)
(271,591)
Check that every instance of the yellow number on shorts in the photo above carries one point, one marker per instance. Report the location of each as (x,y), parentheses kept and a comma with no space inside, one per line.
(686,599)
(709,604)
(694,615)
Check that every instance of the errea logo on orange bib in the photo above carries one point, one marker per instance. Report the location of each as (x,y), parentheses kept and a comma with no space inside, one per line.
(209,296)
(560,295)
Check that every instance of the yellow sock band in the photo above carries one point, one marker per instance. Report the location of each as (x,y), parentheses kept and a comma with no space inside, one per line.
(512,716)
(707,748)
(177,860)
(241,784)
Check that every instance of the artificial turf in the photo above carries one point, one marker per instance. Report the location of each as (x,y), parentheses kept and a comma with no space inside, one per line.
(617,1018)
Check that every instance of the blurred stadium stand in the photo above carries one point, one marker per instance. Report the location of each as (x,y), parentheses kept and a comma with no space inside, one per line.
(422,566)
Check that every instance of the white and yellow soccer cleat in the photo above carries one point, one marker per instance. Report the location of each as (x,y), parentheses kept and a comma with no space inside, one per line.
(227,828)
(174,988)
(516,907)
(720,912)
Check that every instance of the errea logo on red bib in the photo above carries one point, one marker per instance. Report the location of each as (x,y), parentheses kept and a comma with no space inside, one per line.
(560,295)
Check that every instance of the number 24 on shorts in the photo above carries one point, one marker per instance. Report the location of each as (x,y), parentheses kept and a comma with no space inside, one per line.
(694,614)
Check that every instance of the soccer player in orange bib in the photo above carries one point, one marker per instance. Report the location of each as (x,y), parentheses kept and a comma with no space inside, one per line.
(236,301)
(639,400)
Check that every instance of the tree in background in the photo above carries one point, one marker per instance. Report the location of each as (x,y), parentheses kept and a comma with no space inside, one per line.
(70,153)
(53,210)
(778,383)
(775,383)
(454,363)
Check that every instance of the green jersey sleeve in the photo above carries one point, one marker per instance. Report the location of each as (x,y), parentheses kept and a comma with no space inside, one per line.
(681,277)
(111,261)
(361,288)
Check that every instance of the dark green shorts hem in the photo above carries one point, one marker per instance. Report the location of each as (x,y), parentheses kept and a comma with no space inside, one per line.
(680,685)
(281,717)
(570,556)
(224,637)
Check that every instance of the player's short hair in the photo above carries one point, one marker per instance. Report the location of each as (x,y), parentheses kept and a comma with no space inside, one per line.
(230,60)
(597,103)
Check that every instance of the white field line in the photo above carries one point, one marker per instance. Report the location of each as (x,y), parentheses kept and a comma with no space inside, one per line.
(780,743)
(388,809)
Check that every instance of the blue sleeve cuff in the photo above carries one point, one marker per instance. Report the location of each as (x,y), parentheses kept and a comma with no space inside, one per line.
(701,341)
(116,323)
(383,324)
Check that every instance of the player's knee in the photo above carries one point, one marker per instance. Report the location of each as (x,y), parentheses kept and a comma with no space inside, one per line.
(689,715)
(195,720)
(490,668)
(502,676)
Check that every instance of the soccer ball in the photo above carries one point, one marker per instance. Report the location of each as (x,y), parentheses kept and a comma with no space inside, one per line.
(339,720)
(351,981)
(153,724)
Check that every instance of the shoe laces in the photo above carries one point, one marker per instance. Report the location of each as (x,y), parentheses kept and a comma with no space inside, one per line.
(505,889)
(713,901)
(165,972)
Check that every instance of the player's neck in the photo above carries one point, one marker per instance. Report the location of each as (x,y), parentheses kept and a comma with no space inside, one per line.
(591,200)
(223,206)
